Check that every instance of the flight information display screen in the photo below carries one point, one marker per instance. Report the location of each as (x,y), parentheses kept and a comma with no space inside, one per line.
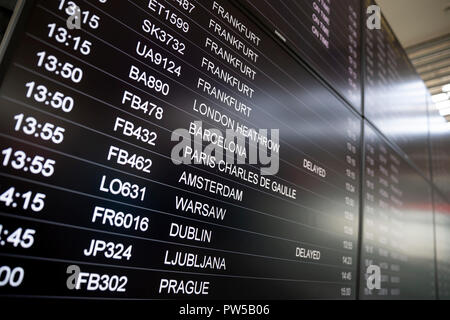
(395,95)
(326,33)
(92,202)
(397,225)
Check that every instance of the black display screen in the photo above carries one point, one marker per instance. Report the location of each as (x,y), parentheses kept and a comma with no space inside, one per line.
(395,95)
(397,225)
(442,220)
(89,189)
(325,33)
(440,149)
(213,149)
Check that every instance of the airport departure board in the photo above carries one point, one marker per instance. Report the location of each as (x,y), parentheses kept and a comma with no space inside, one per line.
(214,149)
(92,203)
(326,33)
(395,95)
(397,225)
